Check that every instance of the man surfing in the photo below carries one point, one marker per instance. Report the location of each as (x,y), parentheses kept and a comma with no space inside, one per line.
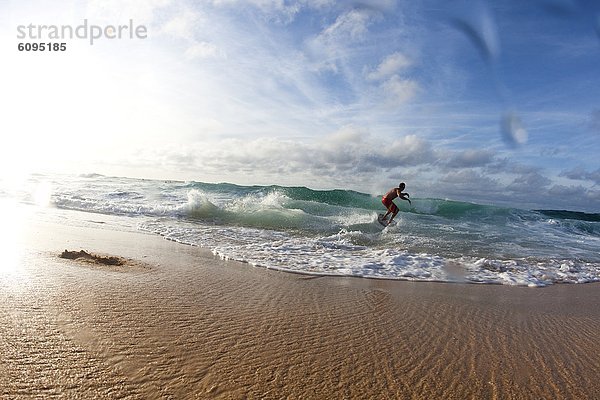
(388,202)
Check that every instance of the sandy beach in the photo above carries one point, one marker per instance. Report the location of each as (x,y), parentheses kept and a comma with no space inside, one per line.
(177,322)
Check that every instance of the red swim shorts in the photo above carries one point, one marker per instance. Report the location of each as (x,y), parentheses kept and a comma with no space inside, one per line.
(389,204)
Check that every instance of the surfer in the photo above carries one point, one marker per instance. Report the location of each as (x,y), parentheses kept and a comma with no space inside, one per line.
(388,202)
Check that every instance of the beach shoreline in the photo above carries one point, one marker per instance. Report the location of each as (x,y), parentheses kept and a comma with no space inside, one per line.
(183,323)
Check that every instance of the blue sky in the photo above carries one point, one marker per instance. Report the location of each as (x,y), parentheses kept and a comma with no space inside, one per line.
(493,102)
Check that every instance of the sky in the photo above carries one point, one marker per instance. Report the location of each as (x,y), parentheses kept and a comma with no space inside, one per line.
(494,102)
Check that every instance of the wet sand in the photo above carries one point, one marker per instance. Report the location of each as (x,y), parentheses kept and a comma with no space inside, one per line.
(176,322)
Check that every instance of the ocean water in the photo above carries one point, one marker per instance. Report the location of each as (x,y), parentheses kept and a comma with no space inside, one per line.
(335,232)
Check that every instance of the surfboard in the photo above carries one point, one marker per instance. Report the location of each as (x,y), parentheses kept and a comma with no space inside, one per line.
(384,222)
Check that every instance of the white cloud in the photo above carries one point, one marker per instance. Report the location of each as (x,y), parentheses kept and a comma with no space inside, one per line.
(399,91)
(404,151)
(345,135)
(391,65)
(580,173)
(201,50)
(466,179)
(352,24)
(183,24)
(526,182)
(396,90)
(333,45)
(379,5)
(346,155)
(572,197)
(465,184)
(266,5)
(470,158)
(275,10)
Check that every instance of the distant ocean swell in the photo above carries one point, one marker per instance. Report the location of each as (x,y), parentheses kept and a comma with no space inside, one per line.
(334,232)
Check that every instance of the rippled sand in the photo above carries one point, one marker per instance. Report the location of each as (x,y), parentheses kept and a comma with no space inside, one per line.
(179,323)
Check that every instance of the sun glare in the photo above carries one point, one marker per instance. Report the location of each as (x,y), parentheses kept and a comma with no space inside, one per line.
(42,193)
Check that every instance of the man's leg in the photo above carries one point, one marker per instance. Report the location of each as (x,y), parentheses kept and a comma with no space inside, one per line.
(393,216)
(388,208)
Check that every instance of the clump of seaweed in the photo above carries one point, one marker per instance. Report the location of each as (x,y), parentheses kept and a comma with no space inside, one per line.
(73,255)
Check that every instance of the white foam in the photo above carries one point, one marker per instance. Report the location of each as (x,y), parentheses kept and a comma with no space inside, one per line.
(199,205)
(332,255)
(350,253)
